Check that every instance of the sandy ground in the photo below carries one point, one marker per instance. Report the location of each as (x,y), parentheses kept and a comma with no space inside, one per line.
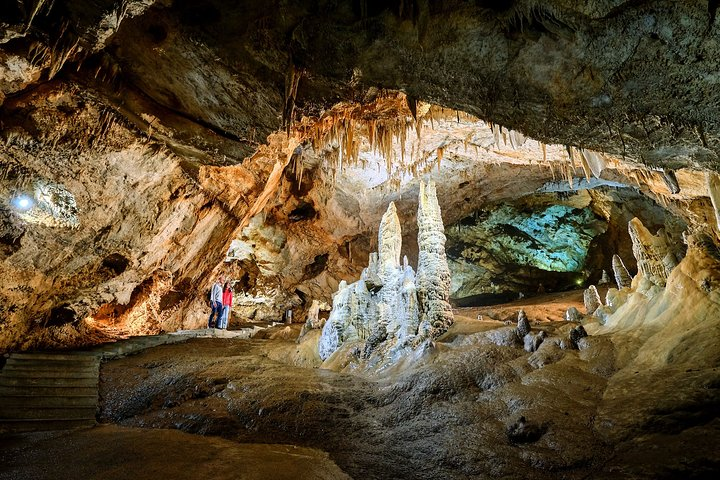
(542,308)
(118,453)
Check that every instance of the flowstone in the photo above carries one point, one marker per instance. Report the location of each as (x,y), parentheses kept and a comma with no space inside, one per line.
(390,305)
(654,259)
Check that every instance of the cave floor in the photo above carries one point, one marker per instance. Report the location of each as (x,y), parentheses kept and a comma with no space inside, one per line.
(549,307)
(112,452)
(452,413)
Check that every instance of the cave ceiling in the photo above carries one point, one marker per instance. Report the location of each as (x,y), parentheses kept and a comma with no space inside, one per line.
(212,79)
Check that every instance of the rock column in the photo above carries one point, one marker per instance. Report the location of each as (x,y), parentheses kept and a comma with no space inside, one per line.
(433,276)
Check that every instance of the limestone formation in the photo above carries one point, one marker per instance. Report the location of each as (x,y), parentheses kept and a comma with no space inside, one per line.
(389,243)
(532,342)
(604,279)
(573,315)
(523,325)
(576,334)
(671,180)
(591,298)
(389,303)
(654,259)
(622,276)
(433,273)
(712,181)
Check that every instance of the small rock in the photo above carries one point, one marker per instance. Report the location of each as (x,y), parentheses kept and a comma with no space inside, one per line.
(523,431)
(576,334)
(523,325)
(532,342)
(573,315)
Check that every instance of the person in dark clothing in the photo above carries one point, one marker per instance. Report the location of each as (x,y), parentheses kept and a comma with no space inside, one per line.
(216,296)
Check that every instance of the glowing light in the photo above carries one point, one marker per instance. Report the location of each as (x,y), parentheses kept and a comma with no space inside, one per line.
(579,281)
(23,203)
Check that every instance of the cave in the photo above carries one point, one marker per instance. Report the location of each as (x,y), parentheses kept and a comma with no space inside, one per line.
(351,239)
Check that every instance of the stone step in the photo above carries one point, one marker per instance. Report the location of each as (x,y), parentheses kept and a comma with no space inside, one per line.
(72,356)
(87,381)
(11,371)
(48,390)
(31,401)
(39,425)
(47,412)
(35,362)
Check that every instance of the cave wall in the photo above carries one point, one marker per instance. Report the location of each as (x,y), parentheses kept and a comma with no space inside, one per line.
(146,233)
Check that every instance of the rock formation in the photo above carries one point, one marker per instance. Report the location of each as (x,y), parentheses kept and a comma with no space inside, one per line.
(712,181)
(531,342)
(622,276)
(591,298)
(573,315)
(654,259)
(576,334)
(433,278)
(523,325)
(389,303)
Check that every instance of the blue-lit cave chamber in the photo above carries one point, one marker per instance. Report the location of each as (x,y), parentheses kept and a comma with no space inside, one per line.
(561,238)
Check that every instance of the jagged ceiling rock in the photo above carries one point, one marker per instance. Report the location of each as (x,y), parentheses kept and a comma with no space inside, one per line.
(630,78)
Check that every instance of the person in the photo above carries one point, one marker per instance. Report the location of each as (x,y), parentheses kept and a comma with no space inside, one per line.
(216,295)
(227,305)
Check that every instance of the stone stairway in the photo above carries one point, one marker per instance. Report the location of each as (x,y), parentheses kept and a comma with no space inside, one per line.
(57,391)
(47,391)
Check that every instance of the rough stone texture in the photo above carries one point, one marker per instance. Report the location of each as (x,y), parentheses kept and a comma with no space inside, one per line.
(638,395)
(635,93)
(591,298)
(389,302)
(148,453)
(523,325)
(622,276)
(573,315)
(433,275)
(576,334)
(654,259)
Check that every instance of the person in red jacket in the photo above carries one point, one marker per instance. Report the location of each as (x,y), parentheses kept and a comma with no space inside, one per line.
(227,305)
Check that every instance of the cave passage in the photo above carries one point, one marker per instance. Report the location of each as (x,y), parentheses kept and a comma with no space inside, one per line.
(466,239)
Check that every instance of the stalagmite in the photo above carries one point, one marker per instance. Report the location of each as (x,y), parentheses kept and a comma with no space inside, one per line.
(654,259)
(433,276)
(591,298)
(622,276)
(604,279)
(389,242)
(523,325)
(387,307)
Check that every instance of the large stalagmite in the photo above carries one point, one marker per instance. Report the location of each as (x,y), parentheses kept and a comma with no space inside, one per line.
(387,306)
(433,272)
(654,259)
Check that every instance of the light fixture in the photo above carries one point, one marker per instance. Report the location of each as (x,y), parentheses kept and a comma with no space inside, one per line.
(23,203)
